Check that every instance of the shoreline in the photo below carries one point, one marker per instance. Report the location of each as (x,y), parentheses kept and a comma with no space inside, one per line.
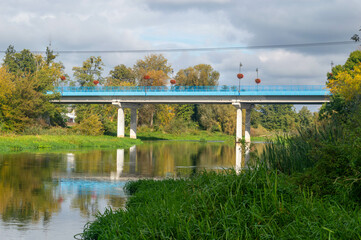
(22,143)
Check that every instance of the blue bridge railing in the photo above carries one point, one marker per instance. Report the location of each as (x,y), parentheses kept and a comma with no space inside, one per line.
(286,90)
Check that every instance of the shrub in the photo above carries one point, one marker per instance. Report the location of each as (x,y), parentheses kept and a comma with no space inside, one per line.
(90,126)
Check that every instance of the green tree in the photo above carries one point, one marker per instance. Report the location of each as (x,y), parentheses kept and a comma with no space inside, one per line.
(49,55)
(305,117)
(90,71)
(275,117)
(121,75)
(220,118)
(19,63)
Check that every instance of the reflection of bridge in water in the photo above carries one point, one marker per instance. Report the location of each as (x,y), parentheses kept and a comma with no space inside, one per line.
(130,168)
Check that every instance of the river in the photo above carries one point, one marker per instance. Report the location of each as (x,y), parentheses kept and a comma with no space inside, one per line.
(53,194)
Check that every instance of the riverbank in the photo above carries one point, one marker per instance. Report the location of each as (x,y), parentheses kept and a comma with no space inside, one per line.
(257,204)
(37,142)
(196,136)
(17,143)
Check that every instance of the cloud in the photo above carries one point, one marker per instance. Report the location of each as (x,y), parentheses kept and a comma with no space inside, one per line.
(160,24)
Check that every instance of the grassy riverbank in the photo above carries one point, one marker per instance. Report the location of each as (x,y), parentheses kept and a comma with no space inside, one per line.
(200,135)
(260,204)
(29,143)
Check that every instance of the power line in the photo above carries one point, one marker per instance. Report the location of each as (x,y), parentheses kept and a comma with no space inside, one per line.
(209,49)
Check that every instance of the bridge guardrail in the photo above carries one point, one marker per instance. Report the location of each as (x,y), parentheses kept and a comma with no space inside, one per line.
(197,90)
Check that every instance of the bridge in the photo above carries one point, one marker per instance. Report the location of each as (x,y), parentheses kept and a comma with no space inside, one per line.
(241,97)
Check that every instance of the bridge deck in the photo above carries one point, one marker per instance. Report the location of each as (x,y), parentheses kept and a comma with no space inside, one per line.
(302,94)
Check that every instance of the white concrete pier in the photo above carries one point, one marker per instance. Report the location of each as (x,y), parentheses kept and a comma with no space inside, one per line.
(238,122)
(247,131)
(120,125)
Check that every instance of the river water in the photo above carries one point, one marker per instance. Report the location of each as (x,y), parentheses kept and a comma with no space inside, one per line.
(52,195)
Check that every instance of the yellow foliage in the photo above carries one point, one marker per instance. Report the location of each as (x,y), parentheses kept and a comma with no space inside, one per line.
(158,78)
(165,114)
(347,84)
(7,88)
(6,85)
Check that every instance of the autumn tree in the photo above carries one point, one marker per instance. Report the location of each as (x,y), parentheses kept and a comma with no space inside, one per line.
(7,90)
(199,75)
(157,68)
(206,116)
(28,104)
(154,65)
(344,84)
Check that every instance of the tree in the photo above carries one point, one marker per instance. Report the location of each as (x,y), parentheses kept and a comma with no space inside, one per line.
(344,84)
(356,37)
(19,63)
(199,75)
(220,118)
(157,68)
(91,125)
(90,71)
(274,117)
(305,117)
(121,76)
(347,84)
(28,77)
(7,90)
(154,65)
(49,56)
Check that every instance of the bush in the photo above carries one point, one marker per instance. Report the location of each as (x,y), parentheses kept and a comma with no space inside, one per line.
(90,126)
(178,126)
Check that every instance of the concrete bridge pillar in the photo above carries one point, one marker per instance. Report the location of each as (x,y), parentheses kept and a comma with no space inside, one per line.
(120,125)
(247,132)
(133,122)
(238,122)
(239,132)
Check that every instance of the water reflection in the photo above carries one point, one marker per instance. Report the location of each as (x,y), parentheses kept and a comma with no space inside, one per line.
(59,192)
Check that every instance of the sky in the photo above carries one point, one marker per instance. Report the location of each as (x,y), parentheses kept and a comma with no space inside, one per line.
(182,24)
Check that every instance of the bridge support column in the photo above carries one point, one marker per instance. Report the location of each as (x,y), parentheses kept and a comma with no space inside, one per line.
(238,122)
(133,123)
(247,132)
(120,125)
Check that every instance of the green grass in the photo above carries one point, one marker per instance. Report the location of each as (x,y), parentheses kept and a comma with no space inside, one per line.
(259,204)
(29,143)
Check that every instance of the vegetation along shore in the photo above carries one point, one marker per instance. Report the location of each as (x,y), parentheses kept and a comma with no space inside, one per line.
(306,185)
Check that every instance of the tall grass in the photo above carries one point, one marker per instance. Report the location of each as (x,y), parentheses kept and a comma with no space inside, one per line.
(290,154)
(258,204)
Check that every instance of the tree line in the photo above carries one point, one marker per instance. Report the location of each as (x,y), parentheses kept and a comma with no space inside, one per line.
(25,107)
